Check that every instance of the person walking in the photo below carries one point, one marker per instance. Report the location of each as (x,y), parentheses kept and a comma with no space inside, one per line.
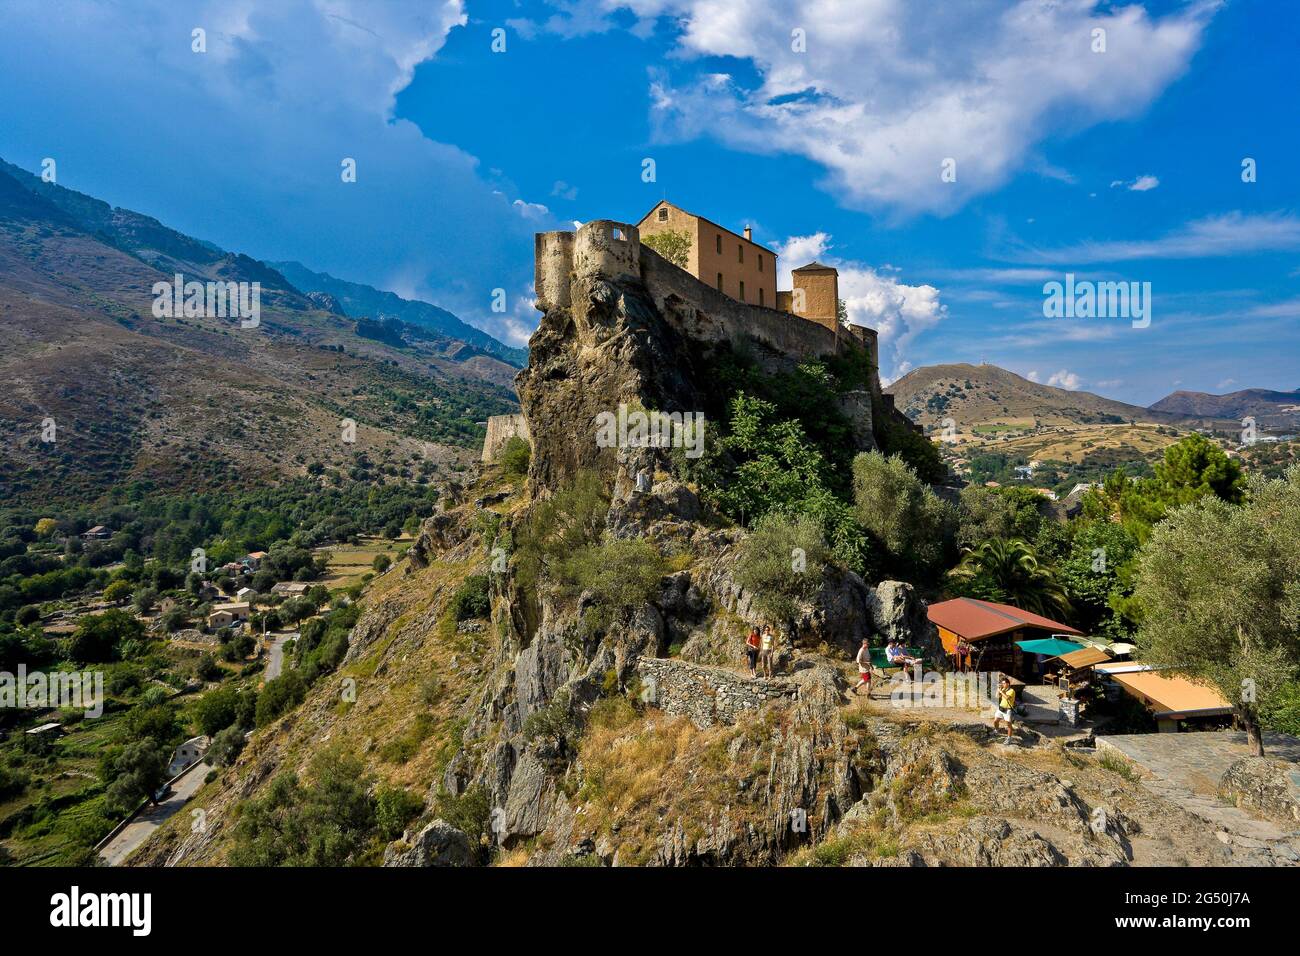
(1005,709)
(864,668)
(751,652)
(767,649)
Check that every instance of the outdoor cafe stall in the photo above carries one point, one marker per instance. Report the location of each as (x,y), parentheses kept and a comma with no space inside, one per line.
(987,636)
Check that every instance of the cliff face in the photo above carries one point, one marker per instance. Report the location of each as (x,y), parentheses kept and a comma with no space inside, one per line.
(621,325)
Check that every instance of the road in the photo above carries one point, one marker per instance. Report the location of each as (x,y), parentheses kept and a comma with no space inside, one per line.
(151,818)
(275,659)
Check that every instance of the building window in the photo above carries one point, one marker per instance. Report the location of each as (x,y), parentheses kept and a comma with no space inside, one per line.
(760,262)
(719,281)
(740,249)
(760,293)
(742,291)
(719,246)
(663,213)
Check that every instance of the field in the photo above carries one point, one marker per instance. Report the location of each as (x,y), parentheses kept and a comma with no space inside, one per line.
(350,562)
(1074,443)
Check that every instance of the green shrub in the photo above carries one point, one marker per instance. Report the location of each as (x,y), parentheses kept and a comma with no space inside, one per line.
(782,562)
(514,457)
(472,599)
(395,807)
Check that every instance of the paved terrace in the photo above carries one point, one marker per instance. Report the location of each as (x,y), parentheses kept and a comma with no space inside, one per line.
(1185,768)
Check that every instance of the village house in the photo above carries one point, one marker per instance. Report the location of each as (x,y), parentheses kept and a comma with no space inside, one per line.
(97,533)
(253,559)
(224,615)
(187,754)
(245,594)
(290,588)
(737,266)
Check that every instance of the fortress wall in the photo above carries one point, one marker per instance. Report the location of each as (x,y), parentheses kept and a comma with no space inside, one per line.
(703,313)
(500,429)
(552,263)
(610,249)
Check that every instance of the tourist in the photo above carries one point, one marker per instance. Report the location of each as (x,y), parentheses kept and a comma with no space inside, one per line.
(897,655)
(751,651)
(1005,709)
(767,649)
(864,668)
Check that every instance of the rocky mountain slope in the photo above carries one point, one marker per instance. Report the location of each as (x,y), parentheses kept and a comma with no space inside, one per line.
(198,402)
(545,732)
(358,299)
(1275,411)
(974,395)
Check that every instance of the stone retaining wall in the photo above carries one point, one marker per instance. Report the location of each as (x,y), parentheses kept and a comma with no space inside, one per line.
(707,695)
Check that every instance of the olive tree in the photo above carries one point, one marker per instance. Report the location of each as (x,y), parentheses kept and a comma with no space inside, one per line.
(1219,596)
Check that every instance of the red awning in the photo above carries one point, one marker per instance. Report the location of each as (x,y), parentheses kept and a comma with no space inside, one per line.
(976,620)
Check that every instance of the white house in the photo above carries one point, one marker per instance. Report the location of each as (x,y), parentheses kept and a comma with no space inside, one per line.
(188,753)
(245,594)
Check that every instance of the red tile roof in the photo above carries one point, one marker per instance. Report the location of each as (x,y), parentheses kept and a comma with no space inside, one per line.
(975,620)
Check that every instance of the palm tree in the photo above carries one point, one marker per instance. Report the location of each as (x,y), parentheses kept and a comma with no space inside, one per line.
(1011,568)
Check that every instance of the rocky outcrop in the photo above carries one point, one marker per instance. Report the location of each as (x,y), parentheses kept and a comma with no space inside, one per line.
(1266,787)
(438,844)
(898,613)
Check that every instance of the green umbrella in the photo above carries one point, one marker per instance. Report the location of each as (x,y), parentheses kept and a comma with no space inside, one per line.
(1050,646)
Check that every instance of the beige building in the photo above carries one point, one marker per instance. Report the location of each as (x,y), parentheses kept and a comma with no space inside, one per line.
(739,267)
(815,296)
(734,265)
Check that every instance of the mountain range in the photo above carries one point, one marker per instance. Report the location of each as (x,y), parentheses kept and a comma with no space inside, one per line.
(989,396)
(190,402)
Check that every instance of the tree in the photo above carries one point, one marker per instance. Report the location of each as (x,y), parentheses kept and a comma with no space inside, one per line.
(901,512)
(117,591)
(216,710)
(1098,577)
(226,746)
(145,599)
(514,456)
(137,774)
(674,245)
(382,563)
(781,563)
(985,513)
(1219,591)
(46,527)
(99,636)
(1009,572)
(173,619)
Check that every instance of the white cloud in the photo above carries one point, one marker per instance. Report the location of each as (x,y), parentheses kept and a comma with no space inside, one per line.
(1139,185)
(1234,233)
(897,311)
(1065,379)
(1032,376)
(886,90)
(286,91)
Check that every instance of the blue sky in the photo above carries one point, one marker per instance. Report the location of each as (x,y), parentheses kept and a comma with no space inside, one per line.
(1115,164)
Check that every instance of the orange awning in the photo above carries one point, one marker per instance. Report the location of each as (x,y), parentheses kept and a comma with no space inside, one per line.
(1169,696)
(1084,657)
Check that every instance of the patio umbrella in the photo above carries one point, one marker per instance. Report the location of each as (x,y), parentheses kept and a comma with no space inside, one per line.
(1049,646)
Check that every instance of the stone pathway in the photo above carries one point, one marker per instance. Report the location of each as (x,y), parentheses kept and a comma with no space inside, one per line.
(1042,704)
(1185,769)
